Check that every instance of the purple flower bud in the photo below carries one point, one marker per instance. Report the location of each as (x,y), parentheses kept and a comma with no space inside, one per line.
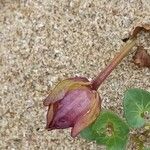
(75,102)
(72,103)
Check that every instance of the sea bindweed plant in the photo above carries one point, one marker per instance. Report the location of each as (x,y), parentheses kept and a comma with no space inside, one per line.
(75,103)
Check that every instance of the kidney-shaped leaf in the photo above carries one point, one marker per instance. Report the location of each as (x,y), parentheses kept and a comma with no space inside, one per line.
(108,130)
(136,107)
(112,131)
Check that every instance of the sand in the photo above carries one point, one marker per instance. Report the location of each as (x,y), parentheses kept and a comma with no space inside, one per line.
(45,41)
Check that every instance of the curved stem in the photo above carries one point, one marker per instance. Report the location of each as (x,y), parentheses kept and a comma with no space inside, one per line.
(112,65)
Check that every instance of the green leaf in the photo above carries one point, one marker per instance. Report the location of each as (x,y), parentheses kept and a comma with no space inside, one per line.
(112,131)
(146,148)
(136,103)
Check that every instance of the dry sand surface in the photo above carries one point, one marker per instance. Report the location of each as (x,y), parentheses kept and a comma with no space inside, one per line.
(45,41)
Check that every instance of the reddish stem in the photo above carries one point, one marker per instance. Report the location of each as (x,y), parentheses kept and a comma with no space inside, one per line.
(115,61)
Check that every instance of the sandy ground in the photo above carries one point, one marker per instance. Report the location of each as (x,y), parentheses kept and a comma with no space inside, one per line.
(45,41)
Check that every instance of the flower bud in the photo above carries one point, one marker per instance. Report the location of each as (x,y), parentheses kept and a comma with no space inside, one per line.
(72,103)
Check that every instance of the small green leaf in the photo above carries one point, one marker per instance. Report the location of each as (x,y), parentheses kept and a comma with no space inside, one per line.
(112,131)
(109,130)
(146,148)
(136,104)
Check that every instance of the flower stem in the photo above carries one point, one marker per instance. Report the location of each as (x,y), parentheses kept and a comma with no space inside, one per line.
(112,65)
